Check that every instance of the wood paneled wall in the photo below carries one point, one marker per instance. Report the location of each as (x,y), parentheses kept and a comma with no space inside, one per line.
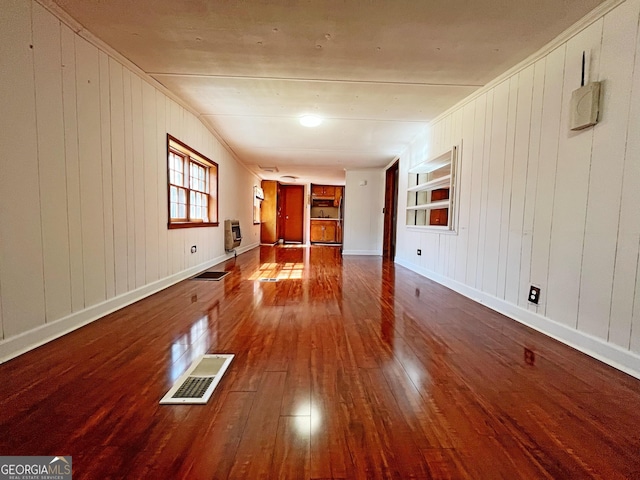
(83,196)
(540,204)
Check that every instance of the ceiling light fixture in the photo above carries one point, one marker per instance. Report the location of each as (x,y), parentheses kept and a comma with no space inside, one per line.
(310,120)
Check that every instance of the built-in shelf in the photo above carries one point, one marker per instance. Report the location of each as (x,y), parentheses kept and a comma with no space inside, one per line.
(442,182)
(431,192)
(431,205)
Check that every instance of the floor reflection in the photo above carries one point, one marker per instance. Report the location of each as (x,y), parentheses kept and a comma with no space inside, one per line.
(232,281)
(387,302)
(189,347)
(307,419)
(281,263)
(202,336)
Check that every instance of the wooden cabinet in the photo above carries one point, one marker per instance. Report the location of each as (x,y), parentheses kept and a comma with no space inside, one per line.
(323,231)
(326,191)
(338,196)
(270,213)
(330,232)
(317,233)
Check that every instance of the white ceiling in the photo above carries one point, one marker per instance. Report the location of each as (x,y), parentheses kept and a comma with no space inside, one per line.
(376,70)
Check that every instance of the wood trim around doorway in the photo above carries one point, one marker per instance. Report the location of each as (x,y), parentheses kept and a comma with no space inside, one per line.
(390,211)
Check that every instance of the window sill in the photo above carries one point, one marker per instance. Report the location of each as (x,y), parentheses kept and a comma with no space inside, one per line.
(191,224)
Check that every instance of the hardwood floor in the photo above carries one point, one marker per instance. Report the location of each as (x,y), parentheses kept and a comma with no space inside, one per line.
(345,368)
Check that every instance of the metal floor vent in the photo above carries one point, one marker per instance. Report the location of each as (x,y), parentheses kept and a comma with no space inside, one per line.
(211,276)
(269,280)
(196,385)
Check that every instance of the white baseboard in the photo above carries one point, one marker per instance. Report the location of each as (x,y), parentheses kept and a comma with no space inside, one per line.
(608,353)
(22,343)
(362,252)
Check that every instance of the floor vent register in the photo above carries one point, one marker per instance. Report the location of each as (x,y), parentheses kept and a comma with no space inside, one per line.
(196,385)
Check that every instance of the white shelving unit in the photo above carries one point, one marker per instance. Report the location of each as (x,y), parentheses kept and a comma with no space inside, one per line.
(431,192)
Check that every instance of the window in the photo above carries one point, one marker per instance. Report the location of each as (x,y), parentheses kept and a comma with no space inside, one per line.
(430,192)
(193,187)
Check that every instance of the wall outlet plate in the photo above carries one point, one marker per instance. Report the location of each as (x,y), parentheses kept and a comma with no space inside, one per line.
(194,249)
(419,252)
(534,294)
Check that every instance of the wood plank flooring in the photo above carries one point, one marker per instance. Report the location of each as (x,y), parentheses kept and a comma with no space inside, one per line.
(345,368)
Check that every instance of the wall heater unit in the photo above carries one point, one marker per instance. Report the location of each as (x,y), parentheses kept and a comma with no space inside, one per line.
(232,235)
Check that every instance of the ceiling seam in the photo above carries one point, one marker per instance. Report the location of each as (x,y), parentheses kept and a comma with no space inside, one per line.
(313,80)
(425,122)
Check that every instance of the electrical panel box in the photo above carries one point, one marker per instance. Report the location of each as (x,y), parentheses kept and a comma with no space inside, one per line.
(585,106)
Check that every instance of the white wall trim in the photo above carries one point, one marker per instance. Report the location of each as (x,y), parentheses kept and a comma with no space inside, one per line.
(390,164)
(362,252)
(597,348)
(19,344)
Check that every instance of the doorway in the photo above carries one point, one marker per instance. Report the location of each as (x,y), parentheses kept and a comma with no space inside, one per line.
(292,220)
(390,211)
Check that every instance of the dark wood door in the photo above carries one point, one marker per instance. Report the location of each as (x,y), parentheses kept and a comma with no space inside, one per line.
(292,213)
(390,212)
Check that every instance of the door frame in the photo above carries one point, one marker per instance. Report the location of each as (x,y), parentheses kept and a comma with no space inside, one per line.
(284,191)
(390,211)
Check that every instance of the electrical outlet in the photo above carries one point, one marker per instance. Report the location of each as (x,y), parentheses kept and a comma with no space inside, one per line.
(419,252)
(194,249)
(534,294)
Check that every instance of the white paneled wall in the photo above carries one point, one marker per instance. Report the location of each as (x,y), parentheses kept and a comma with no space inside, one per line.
(363,217)
(540,204)
(83,195)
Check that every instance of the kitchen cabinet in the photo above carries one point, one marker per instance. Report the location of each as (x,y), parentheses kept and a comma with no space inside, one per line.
(338,196)
(324,231)
(326,191)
